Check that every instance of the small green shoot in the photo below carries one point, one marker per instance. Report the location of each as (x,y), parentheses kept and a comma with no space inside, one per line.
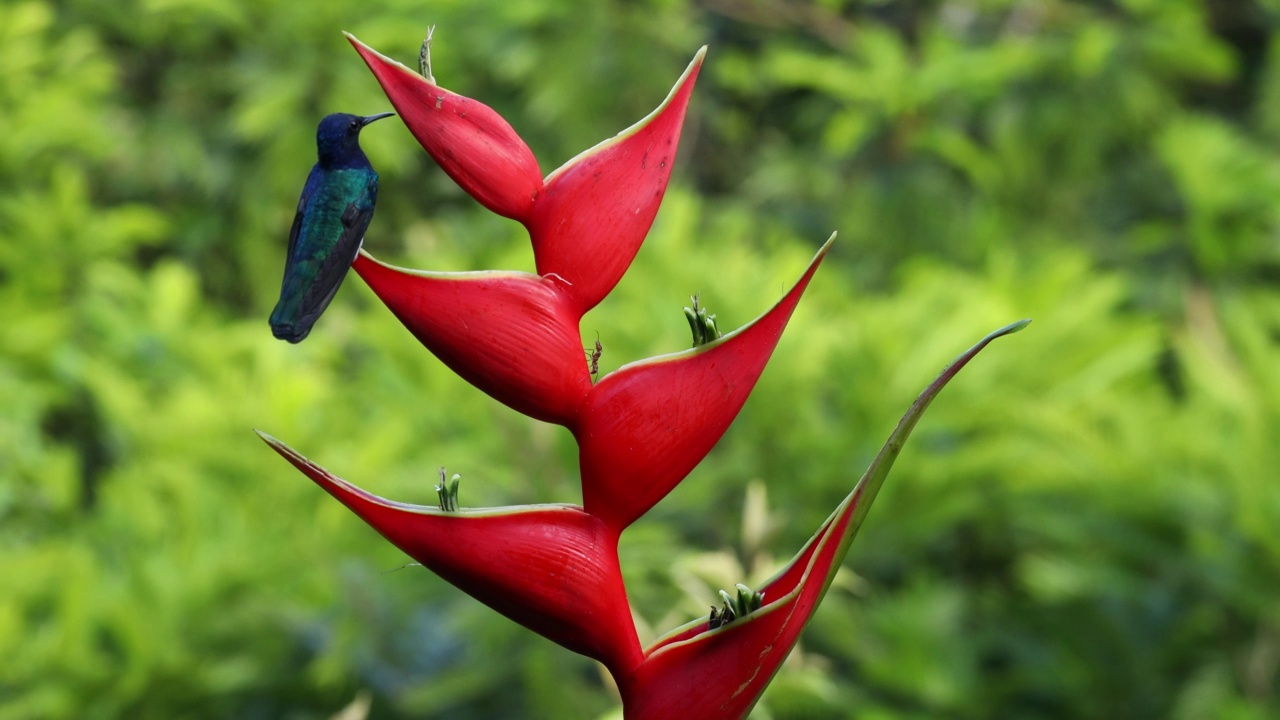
(701,324)
(744,603)
(448,492)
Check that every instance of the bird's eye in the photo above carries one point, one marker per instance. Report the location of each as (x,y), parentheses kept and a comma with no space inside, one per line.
(354,125)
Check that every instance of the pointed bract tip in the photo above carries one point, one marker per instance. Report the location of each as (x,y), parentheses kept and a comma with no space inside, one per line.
(1009,329)
(1012,328)
(277,445)
(274,442)
(357,44)
(368,52)
(822,251)
(691,69)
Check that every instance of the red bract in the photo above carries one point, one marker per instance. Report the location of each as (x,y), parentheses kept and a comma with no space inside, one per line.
(701,674)
(646,425)
(593,213)
(552,568)
(470,142)
(511,334)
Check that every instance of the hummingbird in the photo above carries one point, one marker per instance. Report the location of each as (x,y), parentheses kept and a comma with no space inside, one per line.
(333,213)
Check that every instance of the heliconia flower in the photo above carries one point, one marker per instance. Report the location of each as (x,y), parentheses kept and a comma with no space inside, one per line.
(552,568)
(468,139)
(589,218)
(640,430)
(593,213)
(644,426)
(699,673)
(511,334)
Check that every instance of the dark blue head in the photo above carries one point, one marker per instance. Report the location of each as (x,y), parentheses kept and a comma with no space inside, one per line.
(338,137)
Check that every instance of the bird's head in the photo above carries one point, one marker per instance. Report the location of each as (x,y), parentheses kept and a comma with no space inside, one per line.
(338,136)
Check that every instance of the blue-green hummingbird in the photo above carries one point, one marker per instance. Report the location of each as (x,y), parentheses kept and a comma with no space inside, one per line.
(333,214)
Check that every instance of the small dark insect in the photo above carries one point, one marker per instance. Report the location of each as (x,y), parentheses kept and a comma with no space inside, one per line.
(448,492)
(595,357)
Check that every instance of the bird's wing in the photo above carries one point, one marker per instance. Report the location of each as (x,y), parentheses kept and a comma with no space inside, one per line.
(297,224)
(294,231)
(355,221)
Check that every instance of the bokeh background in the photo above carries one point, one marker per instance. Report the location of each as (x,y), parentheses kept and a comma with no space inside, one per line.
(1084,525)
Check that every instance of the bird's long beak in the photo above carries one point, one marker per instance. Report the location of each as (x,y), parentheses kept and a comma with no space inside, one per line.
(370,118)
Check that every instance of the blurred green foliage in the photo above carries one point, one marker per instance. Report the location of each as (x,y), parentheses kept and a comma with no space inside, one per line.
(1083,526)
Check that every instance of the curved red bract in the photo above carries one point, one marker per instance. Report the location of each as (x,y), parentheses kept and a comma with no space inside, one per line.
(468,140)
(646,425)
(513,335)
(594,212)
(552,568)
